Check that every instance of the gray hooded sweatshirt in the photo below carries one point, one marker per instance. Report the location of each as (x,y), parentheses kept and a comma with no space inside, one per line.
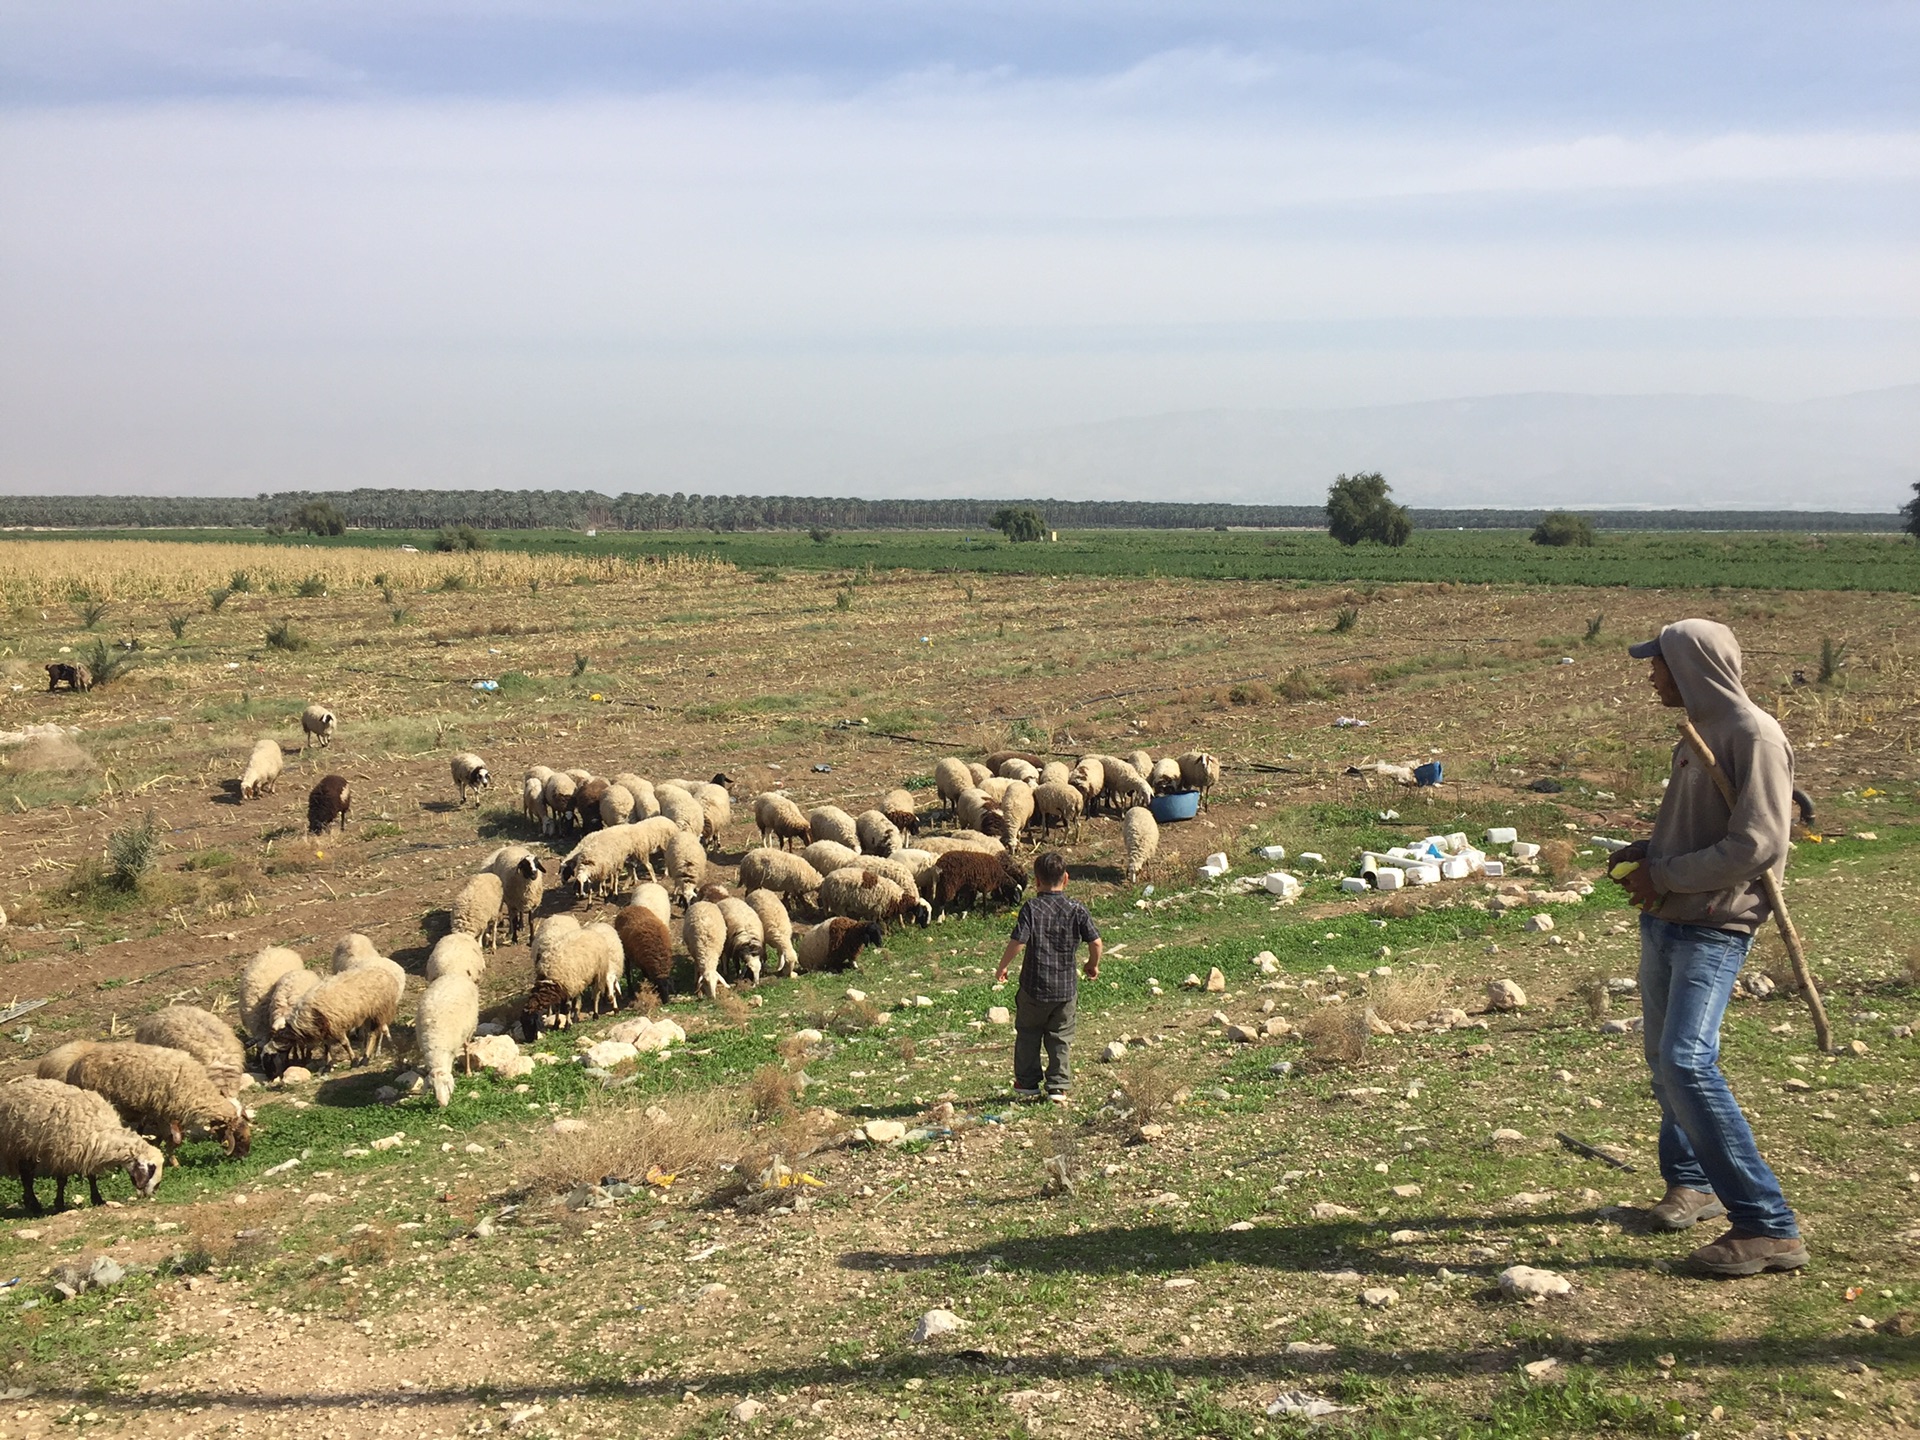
(1706,859)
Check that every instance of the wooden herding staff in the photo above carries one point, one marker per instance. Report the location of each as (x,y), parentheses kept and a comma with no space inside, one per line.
(1822,1031)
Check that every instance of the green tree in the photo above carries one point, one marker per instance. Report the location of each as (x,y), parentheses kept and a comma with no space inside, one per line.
(1912,509)
(1563,527)
(1019,523)
(1360,507)
(318,517)
(454,539)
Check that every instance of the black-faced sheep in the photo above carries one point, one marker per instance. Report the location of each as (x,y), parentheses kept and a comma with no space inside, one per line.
(476,909)
(586,802)
(523,884)
(1141,834)
(469,774)
(569,968)
(203,1035)
(648,946)
(779,819)
(964,879)
(331,1014)
(73,675)
(900,807)
(442,1025)
(835,944)
(328,804)
(776,925)
(256,984)
(317,723)
(714,800)
(263,769)
(1164,777)
(163,1092)
(48,1127)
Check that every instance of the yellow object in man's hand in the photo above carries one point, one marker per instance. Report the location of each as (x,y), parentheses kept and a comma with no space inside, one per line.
(1623,869)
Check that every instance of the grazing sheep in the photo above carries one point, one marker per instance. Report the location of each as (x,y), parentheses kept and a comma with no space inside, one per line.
(703,930)
(203,1035)
(556,798)
(58,1063)
(778,819)
(616,804)
(681,808)
(717,804)
(48,1127)
(317,723)
(1141,834)
(285,997)
(533,801)
(647,942)
(980,773)
(950,777)
(1126,787)
(1164,777)
(900,807)
(523,884)
(331,1014)
(1142,764)
(601,860)
(746,937)
(686,866)
(1016,813)
(787,875)
(1055,772)
(650,896)
(1058,805)
(965,878)
(263,769)
(895,870)
(1199,771)
(970,808)
(380,964)
(457,954)
(776,926)
(921,864)
(442,1025)
(328,804)
(351,947)
(571,965)
(1089,778)
(1014,768)
(646,803)
(962,840)
(70,673)
(256,984)
(867,895)
(827,856)
(830,822)
(835,944)
(579,777)
(586,802)
(997,761)
(476,909)
(470,773)
(163,1092)
(542,773)
(877,834)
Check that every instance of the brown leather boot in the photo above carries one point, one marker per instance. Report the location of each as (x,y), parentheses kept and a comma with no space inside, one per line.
(1683,1207)
(1737,1253)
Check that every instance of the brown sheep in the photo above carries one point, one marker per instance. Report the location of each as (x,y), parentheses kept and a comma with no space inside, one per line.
(965,878)
(328,804)
(834,945)
(73,675)
(648,945)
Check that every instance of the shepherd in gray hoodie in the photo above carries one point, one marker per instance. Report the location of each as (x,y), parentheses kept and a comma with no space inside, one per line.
(1697,880)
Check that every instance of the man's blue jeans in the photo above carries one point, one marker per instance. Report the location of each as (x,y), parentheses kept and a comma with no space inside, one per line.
(1686,978)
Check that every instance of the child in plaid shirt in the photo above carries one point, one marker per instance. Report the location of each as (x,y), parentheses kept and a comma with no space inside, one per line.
(1051,929)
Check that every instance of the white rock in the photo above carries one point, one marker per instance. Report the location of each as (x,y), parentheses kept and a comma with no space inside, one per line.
(1327,1210)
(1216,982)
(883,1132)
(1279,882)
(1505,995)
(1538,924)
(516,1067)
(1241,1035)
(1523,1282)
(747,1411)
(1524,850)
(936,1323)
(999,1014)
(1506,1136)
(295,1075)
(1406,1192)
(808,1037)
(490,1052)
(628,1031)
(568,1125)
(1379,1297)
(1115,1050)
(660,1035)
(856,996)
(609,1053)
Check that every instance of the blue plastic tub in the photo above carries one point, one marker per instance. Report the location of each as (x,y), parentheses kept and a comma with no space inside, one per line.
(1428,774)
(1181,805)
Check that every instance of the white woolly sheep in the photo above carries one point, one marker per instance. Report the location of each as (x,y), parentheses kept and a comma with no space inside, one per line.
(570,966)
(830,822)
(285,997)
(970,807)
(903,810)
(1058,805)
(835,943)
(203,1035)
(601,860)
(616,804)
(456,954)
(786,874)
(163,1092)
(980,773)
(556,798)
(778,818)
(877,834)
(1016,812)
(964,840)
(827,856)
(716,803)
(523,884)
(1125,786)
(776,928)
(365,957)
(1055,772)
(1089,778)
(1199,771)
(681,808)
(542,773)
(950,777)
(1141,833)
(354,1002)
(317,723)
(443,1023)
(746,936)
(58,1063)
(48,1127)
(923,865)
(895,870)
(533,801)
(703,930)
(257,982)
(1164,777)
(646,803)
(867,895)
(476,909)
(686,866)
(350,947)
(650,896)
(470,773)
(1142,764)
(1014,768)
(263,769)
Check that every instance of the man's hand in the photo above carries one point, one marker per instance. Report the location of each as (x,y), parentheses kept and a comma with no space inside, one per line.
(1000,975)
(1634,854)
(1641,889)
(1092,968)
(1006,961)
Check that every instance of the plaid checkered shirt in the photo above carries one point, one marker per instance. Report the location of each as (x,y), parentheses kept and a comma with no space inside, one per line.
(1053,928)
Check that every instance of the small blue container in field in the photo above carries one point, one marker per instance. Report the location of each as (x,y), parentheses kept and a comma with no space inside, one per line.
(1428,774)
(1181,805)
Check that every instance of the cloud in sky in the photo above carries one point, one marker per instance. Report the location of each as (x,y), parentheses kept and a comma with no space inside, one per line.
(560,244)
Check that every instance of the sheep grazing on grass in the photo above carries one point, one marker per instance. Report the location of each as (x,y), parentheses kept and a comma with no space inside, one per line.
(317,724)
(457,954)
(48,1127)
(256,984)
(442,1025)
(877,834)
(616,804)
(571,967)
(523,884)
(163,1092)
(780,820)
(650,896)
(1016,768)
(556,800)
(203,1035)
(58,1063)
(950,777)
(328,804)
(285,997)
(867,895)
(470,774)
(966,840)
(835,944)
(830,822)
(70,673)
(746,938)
(900,807)
(964,879)
(1058,805)
(921,864)
(1054,772)
(331,1014)
(646,802)
(356,952)
(601,861)
(1199,771)
(476,909)
(686,866)
(716,804)
(647,943)
(827,856)
(970,808)
(1015,814)
(703,930)
(787,875)
(681,808)
(263,769)
(1141,834)
(776,926)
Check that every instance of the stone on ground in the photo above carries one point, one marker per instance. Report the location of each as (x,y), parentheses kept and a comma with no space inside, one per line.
(1523,1282)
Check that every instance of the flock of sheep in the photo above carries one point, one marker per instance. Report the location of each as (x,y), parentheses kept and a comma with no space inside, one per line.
(821,885)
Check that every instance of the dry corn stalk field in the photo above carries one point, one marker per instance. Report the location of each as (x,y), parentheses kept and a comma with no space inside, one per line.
(467,1277)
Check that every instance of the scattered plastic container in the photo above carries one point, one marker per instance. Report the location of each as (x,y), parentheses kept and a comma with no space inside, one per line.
(1455,867)
(1524,850)
(1356,884)
(1499,835)
(1180,805)
(1428,774)
(1389,879)
(1312,857)
(1422,874)
(1272,852)
(1279,882)
(1492,869)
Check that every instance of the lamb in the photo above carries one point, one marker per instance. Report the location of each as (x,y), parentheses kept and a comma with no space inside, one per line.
(470,773)
(1164,776)
(686,866)
(835,944)
(1141,834)
(616,805)
(257,982)
(476,909)
(1058,805)
(827,856)
(950,777)
(1199,771)
(457,954)
(650,896)
(787,875)
(523,884)
(776,927)
(866,895)
(746,937)
(442,1025)
(877,834)
(58,1063)
(680,807)
(331,1014)
(830,822)
(703,930)
(206,1037)
(70,673)
(263,769)
(162,1092)
(316,723)
(556,798)
(900,807)
(778,818)
(48,1127)
(965,879)
(647,943)
(328,803)
(1055,772)
(533,801)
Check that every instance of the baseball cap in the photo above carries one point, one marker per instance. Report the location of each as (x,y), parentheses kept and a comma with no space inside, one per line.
(1646,649)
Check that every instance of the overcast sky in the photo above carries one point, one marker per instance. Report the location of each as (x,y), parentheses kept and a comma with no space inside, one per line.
(254,246)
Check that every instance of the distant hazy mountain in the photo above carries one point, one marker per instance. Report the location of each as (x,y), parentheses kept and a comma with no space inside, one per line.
(1851,452)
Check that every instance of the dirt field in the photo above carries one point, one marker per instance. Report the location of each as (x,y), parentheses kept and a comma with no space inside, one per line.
(391,1292)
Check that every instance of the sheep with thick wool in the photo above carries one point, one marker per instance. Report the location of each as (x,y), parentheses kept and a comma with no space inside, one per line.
(964,879)
(835,944)
(204,1036)
(780,820)
(646,804)
(903,810)
(961,840)
(717,804)
(921,864)
(1058,805)
(48,1127)
(533,801)
(586,802)
(1054,772)
(476,909)
(877,834)
(1015,768)
(830,822)
(776,927)
(456,954)
(652,896)
(867,895)
(163,1092)
(601,861)
(950,776)
(827,856)
(616,805)
(285,997)
(970,808)
(357,952)
(317,723)
(58,1063)
(786,874)
(572,967)
(1015,813)
(354,1002)
(1164,777)
(1125,786)
(470,774)
(681,808)
(1142,764)
(1089,777)
(443,1023)
(523,884)
(1199,771)
(703,931)
(263,769)
(1140,832)
(257,980)
(556,800)
(746,946)
(646,940)
(686,866)
(328,804)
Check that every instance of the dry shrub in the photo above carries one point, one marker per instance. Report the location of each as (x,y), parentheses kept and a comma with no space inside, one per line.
(1249,692)
(732,1011)
(1335,1034)
(1403,999)
(676,1135)
(646,1000)
(1770,954)
(1345,679)
(851,1017)
(770,1092)
(48,752)
(1913,965)
(1149,1090)
(1301,684)
(373,1246)
(909,1052)
(1556,858)
(793,1050)
(1402,905)
(1592,990)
